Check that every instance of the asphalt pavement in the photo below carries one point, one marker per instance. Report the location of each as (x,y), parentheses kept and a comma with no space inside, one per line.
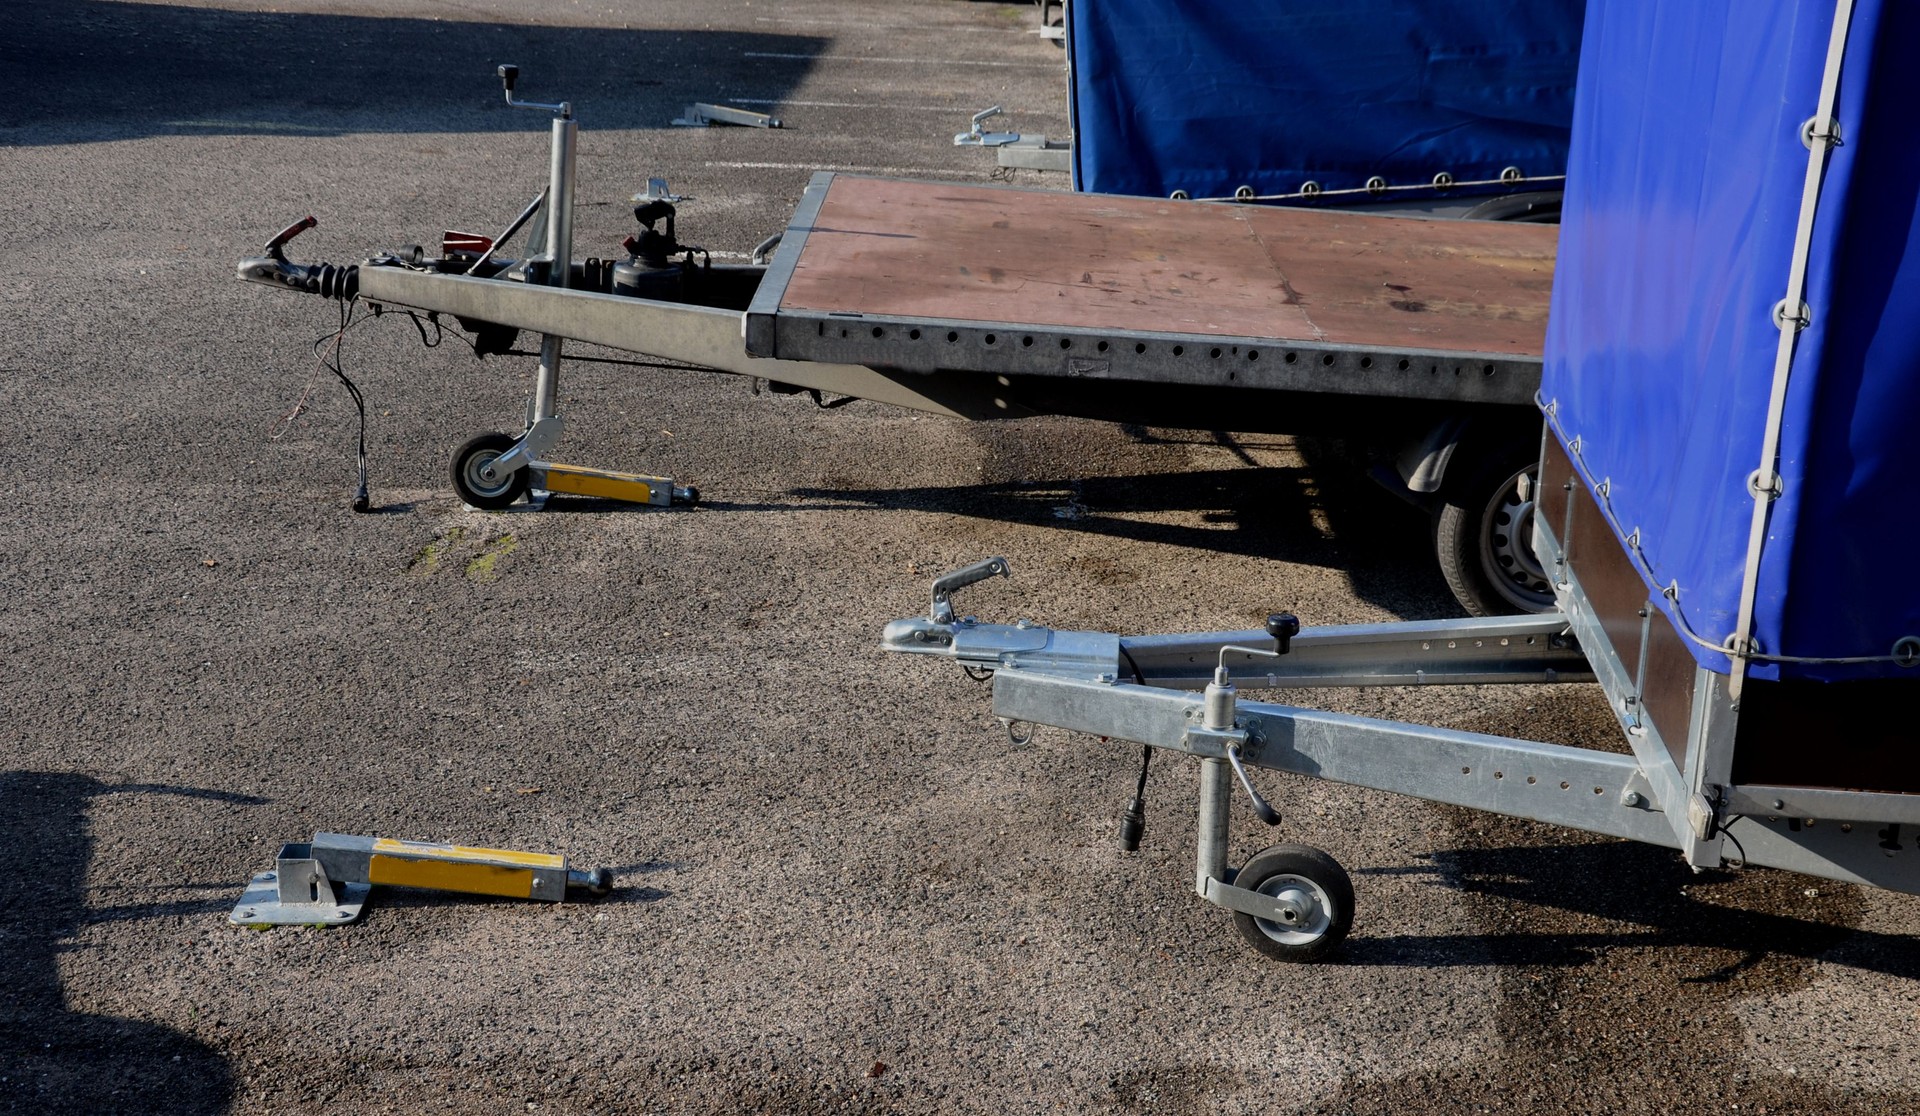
(840,887)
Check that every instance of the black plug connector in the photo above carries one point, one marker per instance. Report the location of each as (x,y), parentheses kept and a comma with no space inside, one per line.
(1133,825)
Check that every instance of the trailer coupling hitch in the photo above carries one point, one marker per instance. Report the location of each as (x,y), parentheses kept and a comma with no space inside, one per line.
(275,270)
(982,648)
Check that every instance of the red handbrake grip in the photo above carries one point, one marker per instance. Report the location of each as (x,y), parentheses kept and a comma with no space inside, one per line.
(288,233)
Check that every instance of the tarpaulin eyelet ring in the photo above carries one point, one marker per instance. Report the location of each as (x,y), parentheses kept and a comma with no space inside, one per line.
(1906,651)
(1820,130)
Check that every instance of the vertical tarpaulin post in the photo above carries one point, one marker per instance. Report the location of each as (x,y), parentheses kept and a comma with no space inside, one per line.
(1791,315)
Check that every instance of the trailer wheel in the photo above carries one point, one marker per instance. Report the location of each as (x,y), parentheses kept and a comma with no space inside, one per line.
(1318,888)
(471,483)
(1483,536)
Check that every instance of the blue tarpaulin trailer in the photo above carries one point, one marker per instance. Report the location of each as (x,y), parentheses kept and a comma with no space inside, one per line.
(1297,99)
(1734,333)
(1731,378)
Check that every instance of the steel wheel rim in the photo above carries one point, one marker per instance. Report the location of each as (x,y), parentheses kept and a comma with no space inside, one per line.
(1316,907)
(1506,548)
(473,470)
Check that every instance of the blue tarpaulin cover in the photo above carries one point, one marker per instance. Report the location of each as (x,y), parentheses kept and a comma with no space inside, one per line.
(1684,189)
(1208,97)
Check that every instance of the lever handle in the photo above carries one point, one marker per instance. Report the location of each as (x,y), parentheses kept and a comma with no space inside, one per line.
(510,76)
(280,239)
(1265,812)
(945,586)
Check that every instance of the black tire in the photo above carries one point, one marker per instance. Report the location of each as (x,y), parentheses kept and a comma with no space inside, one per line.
(474,455)
(1319,884)
(1483,534)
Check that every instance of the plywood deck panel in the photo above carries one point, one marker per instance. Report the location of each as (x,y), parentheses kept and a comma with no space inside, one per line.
(915,250)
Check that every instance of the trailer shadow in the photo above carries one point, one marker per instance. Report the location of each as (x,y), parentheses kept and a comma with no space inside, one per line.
(1323,514)
(94,70)
(1589,898)
(58,1059)
(1625,980)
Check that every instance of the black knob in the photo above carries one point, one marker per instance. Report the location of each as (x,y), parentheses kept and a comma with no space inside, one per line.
(508,76)
(1283,626)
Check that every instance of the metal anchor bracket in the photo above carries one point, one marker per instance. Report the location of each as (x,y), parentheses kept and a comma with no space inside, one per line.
(298,892)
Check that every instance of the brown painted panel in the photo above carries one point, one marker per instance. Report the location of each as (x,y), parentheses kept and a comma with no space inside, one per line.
(1671,677)
(1617,593)
(1607,575)
(1045,259)
(1556,469)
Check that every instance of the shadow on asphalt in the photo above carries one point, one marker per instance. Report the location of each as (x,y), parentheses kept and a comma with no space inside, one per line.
(1630,895)
(95,71)
(1326,515)
(58,1059)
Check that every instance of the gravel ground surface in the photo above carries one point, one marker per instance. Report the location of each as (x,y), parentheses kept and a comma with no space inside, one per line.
(841,889)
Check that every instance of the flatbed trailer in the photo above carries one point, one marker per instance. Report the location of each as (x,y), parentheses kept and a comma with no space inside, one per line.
(1103,291)
(1418,334)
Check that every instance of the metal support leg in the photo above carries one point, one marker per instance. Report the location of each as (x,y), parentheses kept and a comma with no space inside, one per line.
(546,384)
(1216,788)
(546,381)
(560,199)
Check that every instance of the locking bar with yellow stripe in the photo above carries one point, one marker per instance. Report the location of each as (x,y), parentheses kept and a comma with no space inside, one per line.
(326,881)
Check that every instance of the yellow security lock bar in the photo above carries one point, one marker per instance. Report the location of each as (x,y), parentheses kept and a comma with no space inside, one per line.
(578,480)
(325,881)
(633,488)
(516,875)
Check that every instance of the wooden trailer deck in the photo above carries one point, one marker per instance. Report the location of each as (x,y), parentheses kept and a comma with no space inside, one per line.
(931,276)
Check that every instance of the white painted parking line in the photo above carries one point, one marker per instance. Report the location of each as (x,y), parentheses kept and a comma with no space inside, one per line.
(946,171)
(844,104)
(906,27)
(902,61)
